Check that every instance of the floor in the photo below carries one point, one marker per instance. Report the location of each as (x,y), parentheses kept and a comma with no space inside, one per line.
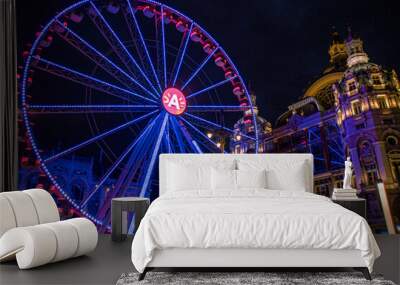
(103,266)
(110,260)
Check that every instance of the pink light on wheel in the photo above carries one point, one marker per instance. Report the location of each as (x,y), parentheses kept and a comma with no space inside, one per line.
(174,101)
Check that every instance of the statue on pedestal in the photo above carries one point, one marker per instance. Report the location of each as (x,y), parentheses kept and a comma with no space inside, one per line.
(348,174)
(347,192)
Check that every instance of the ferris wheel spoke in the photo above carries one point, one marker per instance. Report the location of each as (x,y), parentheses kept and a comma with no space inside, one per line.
(133,166)
(192,144)
(86,80)
(150,167)
(79,109)
(167,137)
(217,108)
(98,137)
(142,41)
(164,51)
(214,144)
(118,162)
(210,87)
(178,136)
(99,59)
(182,55)
(116,44)
(206,145)
(199,69)
(215,125)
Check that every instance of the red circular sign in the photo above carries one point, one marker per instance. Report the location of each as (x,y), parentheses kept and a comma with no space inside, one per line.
(174,101)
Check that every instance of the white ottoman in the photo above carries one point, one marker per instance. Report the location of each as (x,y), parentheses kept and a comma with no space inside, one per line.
(33,243)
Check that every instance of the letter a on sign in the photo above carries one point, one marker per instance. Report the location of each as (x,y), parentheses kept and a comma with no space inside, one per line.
(174,101)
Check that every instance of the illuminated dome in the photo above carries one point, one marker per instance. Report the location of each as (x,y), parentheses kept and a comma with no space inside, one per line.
(321,88)
(298,111)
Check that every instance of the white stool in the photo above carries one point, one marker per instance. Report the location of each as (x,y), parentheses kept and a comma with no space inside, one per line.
(31,230)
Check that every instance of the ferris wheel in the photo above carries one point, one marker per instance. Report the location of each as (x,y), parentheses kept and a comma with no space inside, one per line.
(112,84)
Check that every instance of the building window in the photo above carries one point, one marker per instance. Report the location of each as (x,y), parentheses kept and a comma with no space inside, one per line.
(269,146)
(360,126)
(356,107)
(382,102)
(388,121)
(352,87)
(237,148)
(322,187)
(339,184)
(392,140)
(376,79)
(372,174)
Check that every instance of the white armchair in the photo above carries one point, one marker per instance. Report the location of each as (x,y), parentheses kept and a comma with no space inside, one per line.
(31,230)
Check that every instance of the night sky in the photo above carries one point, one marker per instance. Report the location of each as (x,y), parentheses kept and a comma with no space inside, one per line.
(279,46)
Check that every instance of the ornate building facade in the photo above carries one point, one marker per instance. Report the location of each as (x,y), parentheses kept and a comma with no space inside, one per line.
(245,126)
(351,109)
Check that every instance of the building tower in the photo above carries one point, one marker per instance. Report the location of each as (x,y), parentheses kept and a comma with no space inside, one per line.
(367,100)
(321,88)
(240,144)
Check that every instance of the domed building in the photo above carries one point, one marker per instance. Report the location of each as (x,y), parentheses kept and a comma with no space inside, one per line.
(350,109)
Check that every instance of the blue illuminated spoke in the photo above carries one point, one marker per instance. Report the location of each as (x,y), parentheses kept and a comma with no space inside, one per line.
(199,69)
(207,122)
(337,162)
(199,132)
(197,147)
(135,163)
(149,171)
(138,29)
(77,109)
(210,87)
(320,159)
(167,137)
(104,62)
(187,136)
(206,145)
(119,47)
(118,162)
(182,55)
(100,136)
(163,46)
(217,108)
(86,80)
(178,136)
(335,151)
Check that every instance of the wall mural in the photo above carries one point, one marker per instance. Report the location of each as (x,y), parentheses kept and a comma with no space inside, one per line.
(142,79)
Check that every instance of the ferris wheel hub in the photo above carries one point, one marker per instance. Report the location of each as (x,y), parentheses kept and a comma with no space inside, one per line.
(174,102)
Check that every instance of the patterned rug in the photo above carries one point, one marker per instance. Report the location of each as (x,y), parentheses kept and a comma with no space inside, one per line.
(253,278)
